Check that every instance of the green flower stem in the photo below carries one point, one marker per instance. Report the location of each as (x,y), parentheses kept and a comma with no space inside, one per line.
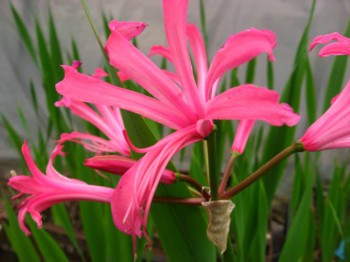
(213,172)
(111,71)
(227,172)
(181,201)
(296,147)
(194,184)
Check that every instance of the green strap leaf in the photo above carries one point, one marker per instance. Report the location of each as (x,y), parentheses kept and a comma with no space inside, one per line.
(22,244)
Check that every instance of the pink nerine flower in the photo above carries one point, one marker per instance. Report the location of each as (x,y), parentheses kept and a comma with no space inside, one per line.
(332,129)
(177,100)
(47,190)
(52,188)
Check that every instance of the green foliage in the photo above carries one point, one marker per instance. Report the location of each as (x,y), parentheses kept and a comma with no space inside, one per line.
(280,137)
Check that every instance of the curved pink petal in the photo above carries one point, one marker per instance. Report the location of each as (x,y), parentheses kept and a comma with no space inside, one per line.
(135,190)
(85,112)
(326,38)
(248,102)
(200,56)
(108,121)
(340,47)
(122,76)
(138,67)
(34,170)
(99,73)
(88,89)
(244,129)
(128,29)
(239,49)
(160,50)
(332,129)
(94,143)
(119,165)
(175,22)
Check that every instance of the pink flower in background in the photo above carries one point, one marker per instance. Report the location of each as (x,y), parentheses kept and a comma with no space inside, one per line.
(177,100)
(332,129)
(50,189)
(341,46)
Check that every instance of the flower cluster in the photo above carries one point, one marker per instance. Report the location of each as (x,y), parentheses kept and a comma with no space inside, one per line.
(186,102)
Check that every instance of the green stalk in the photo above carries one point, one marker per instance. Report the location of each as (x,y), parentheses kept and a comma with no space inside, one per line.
(213,172)
(206,160)
(296,147)
(111,71)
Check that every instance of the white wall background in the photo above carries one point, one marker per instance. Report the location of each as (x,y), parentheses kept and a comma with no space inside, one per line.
(286,18)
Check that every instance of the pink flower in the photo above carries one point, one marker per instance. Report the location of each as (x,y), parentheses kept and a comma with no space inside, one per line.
(341,46)
(52,188)
(332,129)
(177,100)
(106,118)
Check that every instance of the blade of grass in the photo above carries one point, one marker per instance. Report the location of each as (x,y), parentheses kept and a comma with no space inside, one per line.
(281,137)
(270,75)
(298,233)
(13,135)
(310,92)
(250,71)
(21,244)
(48,247)
(23,33)
(111,71)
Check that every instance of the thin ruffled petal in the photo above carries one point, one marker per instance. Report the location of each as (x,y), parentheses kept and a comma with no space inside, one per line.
(88,89)
(99,73)
(93,143)
(248,102)
(108,121)
(128,29)
(34,170)
(160,50)
(138,67)
(239,49)
(200,57)
(244,129)
(175,22)
(340,47)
